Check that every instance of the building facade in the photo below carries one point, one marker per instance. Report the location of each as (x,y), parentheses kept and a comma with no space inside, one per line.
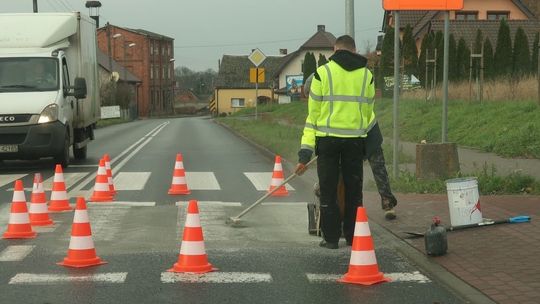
(150,57)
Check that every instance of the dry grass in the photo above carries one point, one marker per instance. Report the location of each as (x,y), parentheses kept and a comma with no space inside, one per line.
(525,89)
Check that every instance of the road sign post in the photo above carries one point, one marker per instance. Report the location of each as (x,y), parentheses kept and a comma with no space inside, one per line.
(420,5)
(256,57)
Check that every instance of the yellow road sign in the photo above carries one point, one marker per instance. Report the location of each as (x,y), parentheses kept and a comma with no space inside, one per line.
(256,75)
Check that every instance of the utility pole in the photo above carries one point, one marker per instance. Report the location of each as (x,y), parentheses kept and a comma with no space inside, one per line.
(397,83)
(445,76)
(35,6)
(349,17)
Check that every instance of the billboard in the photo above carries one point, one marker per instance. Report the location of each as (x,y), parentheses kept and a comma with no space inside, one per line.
(294,84)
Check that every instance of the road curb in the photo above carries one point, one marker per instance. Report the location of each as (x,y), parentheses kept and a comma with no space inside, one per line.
(447,279)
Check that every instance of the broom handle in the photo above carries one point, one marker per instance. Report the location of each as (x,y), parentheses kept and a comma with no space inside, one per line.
(292,176)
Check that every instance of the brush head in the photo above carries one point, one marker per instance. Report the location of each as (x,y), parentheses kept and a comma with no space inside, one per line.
(233,221)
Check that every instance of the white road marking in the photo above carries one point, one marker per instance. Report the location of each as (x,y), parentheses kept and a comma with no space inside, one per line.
(30,278)
(15,253)
(45,229)
(216,277)
(70,180)
(9,178)
(131,180)
(202,181)
(122,204)
(215,203)
(143,141)
(287,204)
(415,277)
(262,180)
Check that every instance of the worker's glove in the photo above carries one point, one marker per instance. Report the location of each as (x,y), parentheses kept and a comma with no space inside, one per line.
(304,156)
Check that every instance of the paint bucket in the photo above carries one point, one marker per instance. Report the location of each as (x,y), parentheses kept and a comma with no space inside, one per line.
(463,201)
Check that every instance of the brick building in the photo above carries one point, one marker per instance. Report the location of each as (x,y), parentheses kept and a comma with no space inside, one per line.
(150,57)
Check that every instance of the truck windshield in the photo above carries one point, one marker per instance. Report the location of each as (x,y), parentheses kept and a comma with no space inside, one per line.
(28,74)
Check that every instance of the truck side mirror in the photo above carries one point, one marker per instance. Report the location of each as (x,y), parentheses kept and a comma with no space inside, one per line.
(79,89)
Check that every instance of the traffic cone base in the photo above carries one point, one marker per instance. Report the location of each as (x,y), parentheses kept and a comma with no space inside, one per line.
(200,265)
(277,179)
(363,268)
(36,221)
(79,262)
(19,222)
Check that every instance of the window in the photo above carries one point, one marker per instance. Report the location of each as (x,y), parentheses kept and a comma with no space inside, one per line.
(464,15)
(157,73)
(151,48)
(169,50)
(169,72)
(151,71)
(164,75)
(65,78)
(498,15)
(238,102)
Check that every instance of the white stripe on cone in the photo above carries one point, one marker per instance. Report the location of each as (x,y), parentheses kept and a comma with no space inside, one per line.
(363,258)
(58,196)
(179,165)
(38,208)
(192,248)
(179,180)
(38,188)
(19,218)
(276,181)
(193,220)
(81,242)
(101,171)
(18,196)
(361,229)
(81,217)
(58,178)
(101,187)
(278,167)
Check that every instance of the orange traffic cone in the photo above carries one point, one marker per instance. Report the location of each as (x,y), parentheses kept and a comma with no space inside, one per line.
(19,222)
(59,199)
(192,256)
(81,252)
(363,267)
(39,214)
(109,174)
(179,185)
(277,179)
(101,187)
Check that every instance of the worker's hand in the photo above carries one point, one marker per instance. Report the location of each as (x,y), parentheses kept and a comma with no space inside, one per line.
(300,169)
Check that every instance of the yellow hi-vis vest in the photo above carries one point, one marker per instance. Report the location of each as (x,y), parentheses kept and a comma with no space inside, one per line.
(340,104)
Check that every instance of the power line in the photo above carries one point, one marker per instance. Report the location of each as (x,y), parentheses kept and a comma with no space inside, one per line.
(236,44)
(53,7)
(68,5)
(62,4)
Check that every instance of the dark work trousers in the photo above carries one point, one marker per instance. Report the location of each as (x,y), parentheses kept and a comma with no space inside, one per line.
(377,164)
(348,154)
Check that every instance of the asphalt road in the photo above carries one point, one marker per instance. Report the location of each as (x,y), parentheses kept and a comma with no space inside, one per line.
(269,259)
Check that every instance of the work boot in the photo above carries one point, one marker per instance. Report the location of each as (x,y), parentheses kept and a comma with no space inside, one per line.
(328,245)
(390,214)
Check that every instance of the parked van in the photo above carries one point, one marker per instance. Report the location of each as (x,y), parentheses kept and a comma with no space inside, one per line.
(49,88)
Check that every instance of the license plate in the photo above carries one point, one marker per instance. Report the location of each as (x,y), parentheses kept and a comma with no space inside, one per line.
(9,148)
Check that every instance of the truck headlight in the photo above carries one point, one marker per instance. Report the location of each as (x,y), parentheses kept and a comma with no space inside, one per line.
(50,113)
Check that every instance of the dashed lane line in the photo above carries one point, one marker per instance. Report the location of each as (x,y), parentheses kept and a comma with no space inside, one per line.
(44,279)
(216,277)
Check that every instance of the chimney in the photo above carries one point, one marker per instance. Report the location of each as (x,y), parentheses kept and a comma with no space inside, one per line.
(320,28)
(283,51)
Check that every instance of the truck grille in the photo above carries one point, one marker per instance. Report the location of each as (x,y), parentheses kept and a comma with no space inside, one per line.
(12,139)
(16,118)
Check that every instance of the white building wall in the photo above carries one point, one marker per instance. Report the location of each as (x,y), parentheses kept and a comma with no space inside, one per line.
(295,66)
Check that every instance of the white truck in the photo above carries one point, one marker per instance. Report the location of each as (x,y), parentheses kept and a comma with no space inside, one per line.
(49,87)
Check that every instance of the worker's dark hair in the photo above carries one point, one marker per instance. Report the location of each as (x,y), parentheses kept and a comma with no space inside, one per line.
(345,42)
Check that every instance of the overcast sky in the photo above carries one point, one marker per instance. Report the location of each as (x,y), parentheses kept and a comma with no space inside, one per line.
(204,30)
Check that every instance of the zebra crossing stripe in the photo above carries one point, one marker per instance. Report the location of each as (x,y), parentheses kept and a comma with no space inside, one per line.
(214,203)
(15,253)
(9,178)
(122,204)
(414,277)
(287,204)
(41,279)
(261,180)
(216,277)
(131,180)
(202,181)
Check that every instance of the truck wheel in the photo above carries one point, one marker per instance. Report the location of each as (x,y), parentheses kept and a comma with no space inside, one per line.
(80,153)
(62,157)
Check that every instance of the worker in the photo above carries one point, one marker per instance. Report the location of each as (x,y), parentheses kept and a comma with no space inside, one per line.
(340,115)
(375,156)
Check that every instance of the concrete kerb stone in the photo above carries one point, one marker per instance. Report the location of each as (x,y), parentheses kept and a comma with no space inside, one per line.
(434,270)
